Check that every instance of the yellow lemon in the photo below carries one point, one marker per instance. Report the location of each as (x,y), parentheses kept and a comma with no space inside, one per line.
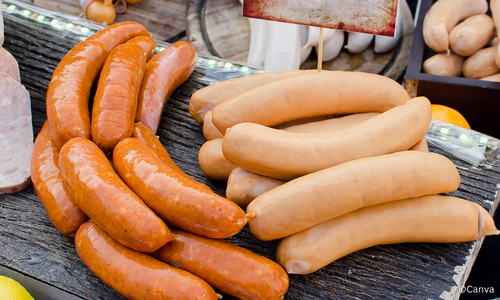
(12,290)
(448,114)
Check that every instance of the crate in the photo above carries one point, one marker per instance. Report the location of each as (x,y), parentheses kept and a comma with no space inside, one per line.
(477,100)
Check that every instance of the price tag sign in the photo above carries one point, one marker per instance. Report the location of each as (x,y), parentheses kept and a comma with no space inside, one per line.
(367,16)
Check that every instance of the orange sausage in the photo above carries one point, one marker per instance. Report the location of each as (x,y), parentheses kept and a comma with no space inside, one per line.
(107,200)
(225,266)
(147,44)
(115,102)
(210,132)
(68,93)
(136,275)
(50,186)
(119,33)
(427,219)
(212,161)
(179,201)
(164,73)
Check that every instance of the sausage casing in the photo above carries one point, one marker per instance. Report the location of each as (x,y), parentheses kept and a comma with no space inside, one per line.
(135,275)
(178,201)
(107,200)
(119,33)
(146,43)
(227,267)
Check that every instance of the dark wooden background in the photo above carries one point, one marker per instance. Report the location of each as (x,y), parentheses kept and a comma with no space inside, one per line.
(29,244)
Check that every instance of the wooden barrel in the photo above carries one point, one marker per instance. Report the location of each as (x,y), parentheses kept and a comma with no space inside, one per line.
(216,27)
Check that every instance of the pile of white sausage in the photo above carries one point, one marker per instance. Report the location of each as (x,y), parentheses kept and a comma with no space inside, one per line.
(309,154)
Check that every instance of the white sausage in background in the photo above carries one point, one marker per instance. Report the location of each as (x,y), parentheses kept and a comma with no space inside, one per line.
(357,42)
(283,47)
(306,49)
(333,46)
(258,42)
(386,43)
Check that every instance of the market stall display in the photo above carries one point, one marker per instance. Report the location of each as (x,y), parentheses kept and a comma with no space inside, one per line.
(37,249)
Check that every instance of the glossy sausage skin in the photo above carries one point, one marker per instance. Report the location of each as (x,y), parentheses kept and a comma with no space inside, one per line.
(227,267)
(68,93)
(115,101)
(212,161)
(147,44)
(119,33)
(178,201)
(135,275)
(164,73)
(107,200)
(50,186)
(427,219)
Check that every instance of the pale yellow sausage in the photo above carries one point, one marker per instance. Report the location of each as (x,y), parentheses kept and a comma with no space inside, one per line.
(495,14)
(320,196)
(212,162)
(210,132)
(286,155)
(310,95)
(481,64)
(443,16)
(472,34)
(207,98)
(421,146)
(428,219)
(444,64)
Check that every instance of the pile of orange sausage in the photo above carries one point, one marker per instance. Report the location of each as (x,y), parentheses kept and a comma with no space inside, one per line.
(104,178)
(357,173)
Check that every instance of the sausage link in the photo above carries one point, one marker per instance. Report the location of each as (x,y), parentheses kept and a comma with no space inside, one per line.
(147,44)
(178,201)
(50,186)
(212,161)
(107,200)
(136,275)
(68,93)
(472,34)
(119,33)
(481,64)
(115,102)
(427,219)
(164,73)
(320,196)
(227,267)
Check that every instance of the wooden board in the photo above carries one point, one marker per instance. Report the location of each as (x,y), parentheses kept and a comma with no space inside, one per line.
(33,247)
(217,28)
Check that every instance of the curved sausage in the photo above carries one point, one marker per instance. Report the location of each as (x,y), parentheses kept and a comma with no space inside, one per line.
(481,64)
(227,267)
(443,16)
(472,34)
(135,275)
(334,92)
(287,155)
(495,15)
(212,161)
(107,200)
(146,43)
(205,99)
(444,64)
(320,196)
(164,73)
(50,186)
(119,33)
(175,199)
(115,101)
(210,132)
(68,93)
(428,219)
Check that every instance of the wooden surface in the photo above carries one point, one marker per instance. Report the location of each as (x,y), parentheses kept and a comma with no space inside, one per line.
(33,247)
(217,28)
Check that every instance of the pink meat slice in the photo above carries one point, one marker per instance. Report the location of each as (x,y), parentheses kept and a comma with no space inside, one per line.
(8,64)
(16,135)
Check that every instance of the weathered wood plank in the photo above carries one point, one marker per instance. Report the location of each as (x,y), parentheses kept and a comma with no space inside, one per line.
(32,246)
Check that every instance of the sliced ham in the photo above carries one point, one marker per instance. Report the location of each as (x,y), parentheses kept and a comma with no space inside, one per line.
(8,64)
(16,135)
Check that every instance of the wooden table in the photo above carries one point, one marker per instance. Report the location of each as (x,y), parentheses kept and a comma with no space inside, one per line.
(33,250)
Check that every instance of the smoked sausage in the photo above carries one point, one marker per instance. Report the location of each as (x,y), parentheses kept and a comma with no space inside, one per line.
(427,219)
(119,33)
(334,92)
(68,93)
(135,275)
(228,268)
(320,196)
(164,73)
(146,43)
(287,155)
(107,200)
(50,186)
(178,201)
(115,101)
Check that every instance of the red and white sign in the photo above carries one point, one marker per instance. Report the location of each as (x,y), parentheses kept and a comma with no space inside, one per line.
(367,16)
